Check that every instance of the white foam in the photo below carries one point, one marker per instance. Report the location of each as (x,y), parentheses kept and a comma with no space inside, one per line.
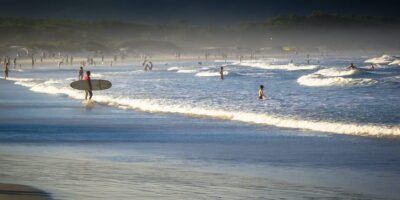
(395,62)
(96,75)
(187,71)
(333,77)
(288,67)
(384,59)
(167,106)
(173,69)
(211,73)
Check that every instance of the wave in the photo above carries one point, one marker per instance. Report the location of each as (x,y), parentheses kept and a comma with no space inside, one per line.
(288,67)
(210,73)
(187,71)
(384,59)
(173,69)
(167,106)
(333,77)
(395,62)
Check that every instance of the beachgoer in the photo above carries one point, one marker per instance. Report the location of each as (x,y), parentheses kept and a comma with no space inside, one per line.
(6,72)
(261,92)
(60,63)
(80,73)
(88,92)
(221,73)
(351,67)
(372,66)
(144,64)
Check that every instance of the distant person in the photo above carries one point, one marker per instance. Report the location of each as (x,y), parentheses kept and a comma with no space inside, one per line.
(6,72)
(144,64)
(261,92)
(80,73)
(88,92)
(372,66)
(200,63)
(221,73)
(148,65)
(351,67)
(60,63)
(15,63)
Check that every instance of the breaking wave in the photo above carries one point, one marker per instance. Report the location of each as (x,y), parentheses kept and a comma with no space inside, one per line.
(384,59)
(333,77)
(167,106)
(287,67)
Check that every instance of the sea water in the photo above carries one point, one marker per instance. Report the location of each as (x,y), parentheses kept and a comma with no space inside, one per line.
(323,98)
(173,126)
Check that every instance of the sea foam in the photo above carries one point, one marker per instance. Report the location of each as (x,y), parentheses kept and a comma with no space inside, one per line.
(167,106)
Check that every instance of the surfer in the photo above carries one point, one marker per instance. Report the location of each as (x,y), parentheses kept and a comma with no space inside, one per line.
(221,73)
(88,92)
(351,67)
(144,64)
(261,92)
(372,66)
(80,73)
(148,65)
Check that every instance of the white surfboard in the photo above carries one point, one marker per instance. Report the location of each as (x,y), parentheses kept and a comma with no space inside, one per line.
(96,84)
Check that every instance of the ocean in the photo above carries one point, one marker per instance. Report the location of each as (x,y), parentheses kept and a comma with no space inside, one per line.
(181,132)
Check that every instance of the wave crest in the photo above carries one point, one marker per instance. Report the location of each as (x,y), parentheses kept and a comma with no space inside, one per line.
(333,77)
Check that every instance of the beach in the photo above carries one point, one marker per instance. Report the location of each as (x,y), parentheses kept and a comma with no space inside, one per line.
(21,192)
(163,134)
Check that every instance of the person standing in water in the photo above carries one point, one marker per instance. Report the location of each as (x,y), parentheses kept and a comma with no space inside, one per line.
(261,92)
(6,72)
(221,73)
(88,92)
(15,63)
(33,62)
(80,73)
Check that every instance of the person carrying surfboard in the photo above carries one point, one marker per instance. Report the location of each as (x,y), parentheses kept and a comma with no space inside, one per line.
(88,92)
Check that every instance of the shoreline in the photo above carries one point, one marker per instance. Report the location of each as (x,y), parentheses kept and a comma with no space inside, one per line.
(22,192)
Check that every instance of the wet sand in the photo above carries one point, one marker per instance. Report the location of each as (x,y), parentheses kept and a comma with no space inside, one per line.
(21,192)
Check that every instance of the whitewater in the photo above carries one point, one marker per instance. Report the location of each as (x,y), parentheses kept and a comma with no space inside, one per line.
(324,98)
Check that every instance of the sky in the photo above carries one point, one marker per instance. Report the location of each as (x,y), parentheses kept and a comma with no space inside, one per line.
(200,12)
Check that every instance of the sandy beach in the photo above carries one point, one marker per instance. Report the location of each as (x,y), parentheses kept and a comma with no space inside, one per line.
(51,141)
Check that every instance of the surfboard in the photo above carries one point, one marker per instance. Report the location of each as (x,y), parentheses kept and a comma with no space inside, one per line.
(96,84)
